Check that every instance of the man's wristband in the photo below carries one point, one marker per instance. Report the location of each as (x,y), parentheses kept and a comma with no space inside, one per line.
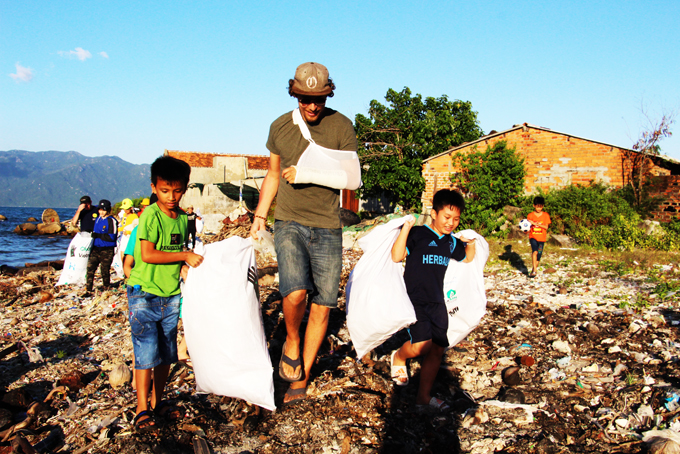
(261,217)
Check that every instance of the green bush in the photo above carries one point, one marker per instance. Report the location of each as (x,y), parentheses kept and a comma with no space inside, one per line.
(601,217)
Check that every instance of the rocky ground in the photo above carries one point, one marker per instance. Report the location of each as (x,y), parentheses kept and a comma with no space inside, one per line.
(583,358)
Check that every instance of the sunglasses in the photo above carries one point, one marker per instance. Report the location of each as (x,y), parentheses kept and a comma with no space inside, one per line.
(307,100)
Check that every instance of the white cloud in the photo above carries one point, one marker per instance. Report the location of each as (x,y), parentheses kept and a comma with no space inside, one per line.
(80,53)
(23,74)
(104,54)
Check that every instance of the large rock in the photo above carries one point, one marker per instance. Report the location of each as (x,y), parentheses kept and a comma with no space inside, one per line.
(651,227)
(50,216)
(26,228)
(560,241)
(49,229)
(514,233)
(512,213)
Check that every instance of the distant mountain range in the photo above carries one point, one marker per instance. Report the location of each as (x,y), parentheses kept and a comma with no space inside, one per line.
(50,179)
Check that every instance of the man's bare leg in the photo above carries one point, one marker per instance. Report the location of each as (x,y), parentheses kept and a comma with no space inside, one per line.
(314,336)
(294,306)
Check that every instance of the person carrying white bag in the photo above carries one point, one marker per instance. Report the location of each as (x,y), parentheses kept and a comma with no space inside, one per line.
(377,302)
(223,324)
(430,249)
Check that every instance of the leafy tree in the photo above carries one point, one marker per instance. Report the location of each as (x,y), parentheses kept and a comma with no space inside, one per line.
(490,179)
(395,139)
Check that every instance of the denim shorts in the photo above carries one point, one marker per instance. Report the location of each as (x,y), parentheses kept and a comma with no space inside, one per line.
(310,258)
(432,324)
(153,323)
(537,246)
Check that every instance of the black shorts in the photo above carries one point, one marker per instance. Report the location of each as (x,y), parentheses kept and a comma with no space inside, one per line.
(432,324)
(536,246)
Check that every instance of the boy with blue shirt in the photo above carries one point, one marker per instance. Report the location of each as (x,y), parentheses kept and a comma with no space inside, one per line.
(153,287)
(105,233)
(429,250)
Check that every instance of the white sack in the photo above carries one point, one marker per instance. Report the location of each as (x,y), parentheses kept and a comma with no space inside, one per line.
(377,303)
(117,263)
(223,325)
(464,290)
(199,225)
(75,264)
(338,169)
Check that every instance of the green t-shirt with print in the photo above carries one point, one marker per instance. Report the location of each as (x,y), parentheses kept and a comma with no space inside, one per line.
(168,235)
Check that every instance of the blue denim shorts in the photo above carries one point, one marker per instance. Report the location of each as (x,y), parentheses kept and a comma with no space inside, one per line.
(536,246)
(310,258)
(153,323)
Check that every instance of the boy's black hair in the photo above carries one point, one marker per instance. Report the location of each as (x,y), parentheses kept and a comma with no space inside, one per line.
(446,198)
(538,200)
(171,170)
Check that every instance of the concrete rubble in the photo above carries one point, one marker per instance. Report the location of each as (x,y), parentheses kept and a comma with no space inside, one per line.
(583,358)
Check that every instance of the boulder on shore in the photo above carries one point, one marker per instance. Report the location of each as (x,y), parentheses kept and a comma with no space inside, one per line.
(49,229)
(560,241)
(32,219)
(26,228)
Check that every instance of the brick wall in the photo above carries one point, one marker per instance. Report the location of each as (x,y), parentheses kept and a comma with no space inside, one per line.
(668,188)
(198,159)
(551,159)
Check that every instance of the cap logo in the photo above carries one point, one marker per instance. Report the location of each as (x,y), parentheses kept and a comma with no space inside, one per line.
(311,82)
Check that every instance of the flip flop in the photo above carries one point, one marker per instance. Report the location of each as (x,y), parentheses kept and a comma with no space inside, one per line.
(144,425)
(294,363)
(435,404)
(399,373)
(297,394)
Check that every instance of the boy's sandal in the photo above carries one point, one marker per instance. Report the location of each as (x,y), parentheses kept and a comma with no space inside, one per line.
(294,363)
(144,421)
(296,395)
(399,373)
(435,404)
(168,411)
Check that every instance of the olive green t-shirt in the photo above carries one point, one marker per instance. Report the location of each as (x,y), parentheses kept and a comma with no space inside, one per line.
(309,204)
(160,279)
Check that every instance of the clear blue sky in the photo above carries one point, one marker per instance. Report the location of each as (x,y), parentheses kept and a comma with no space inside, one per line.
(134,78)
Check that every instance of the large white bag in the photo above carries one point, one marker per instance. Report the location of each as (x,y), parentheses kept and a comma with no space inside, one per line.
(223,325)
(117,263)
(464,290)
(377,302)
(75,264)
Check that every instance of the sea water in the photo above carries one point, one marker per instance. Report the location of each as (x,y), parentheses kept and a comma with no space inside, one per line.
(17,250)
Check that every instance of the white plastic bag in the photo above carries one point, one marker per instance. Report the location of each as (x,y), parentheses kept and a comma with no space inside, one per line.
(223,325)
(117,263)
(338,169)
(464,290)
(75,264)
(377,302)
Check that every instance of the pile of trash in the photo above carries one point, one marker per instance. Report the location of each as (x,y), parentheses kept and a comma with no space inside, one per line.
(583,358)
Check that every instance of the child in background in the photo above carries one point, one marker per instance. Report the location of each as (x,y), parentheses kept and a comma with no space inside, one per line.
(538,234)
(429,250)
(191,226)
(105,234)
(153,288)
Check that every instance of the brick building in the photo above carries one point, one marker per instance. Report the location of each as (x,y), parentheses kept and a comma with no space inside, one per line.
(553,160)
(217,181)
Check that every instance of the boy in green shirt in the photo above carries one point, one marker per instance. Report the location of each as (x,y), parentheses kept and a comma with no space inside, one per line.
(153,288)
